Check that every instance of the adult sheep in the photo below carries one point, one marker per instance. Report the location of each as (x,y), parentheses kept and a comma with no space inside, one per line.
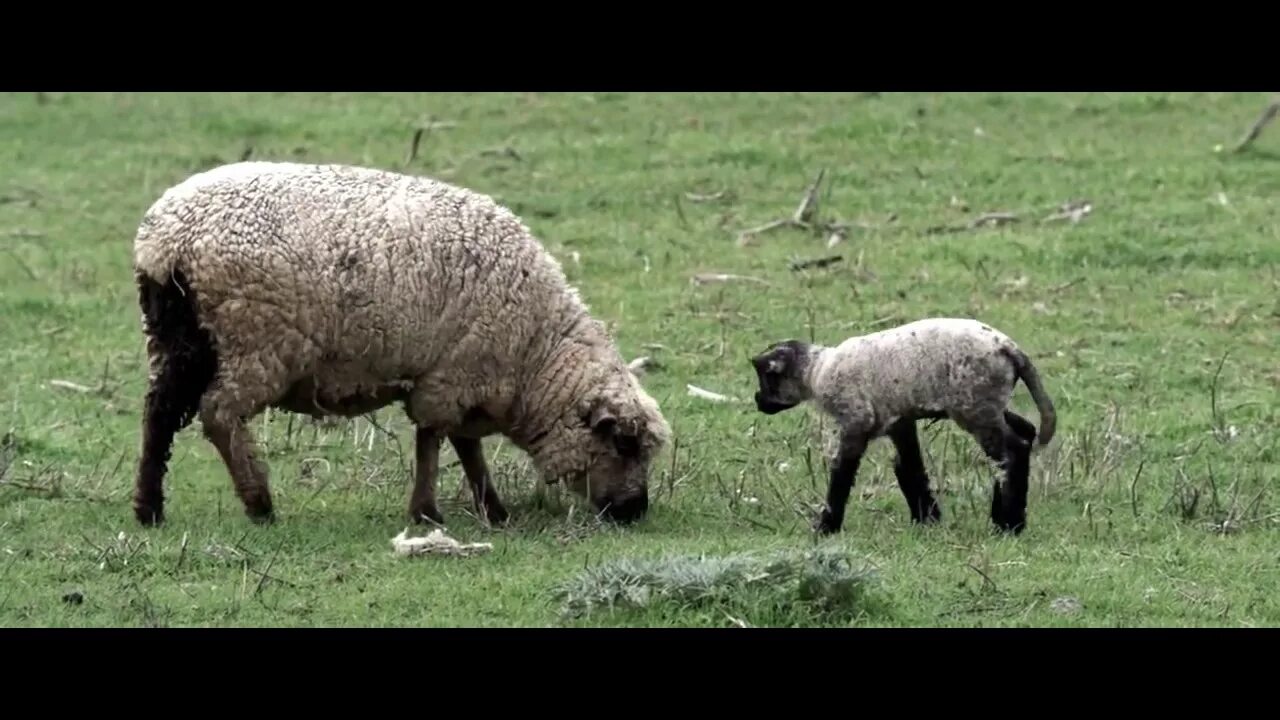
(335,290)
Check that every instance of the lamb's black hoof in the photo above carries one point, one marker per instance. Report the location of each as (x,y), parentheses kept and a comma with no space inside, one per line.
(149,516)
(932,514)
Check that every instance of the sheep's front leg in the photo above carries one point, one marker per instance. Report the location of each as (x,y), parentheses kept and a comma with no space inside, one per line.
(422,504)
(913,480)
(471,454)
(843,472)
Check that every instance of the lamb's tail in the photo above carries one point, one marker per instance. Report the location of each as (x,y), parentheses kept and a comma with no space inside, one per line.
(1031,378)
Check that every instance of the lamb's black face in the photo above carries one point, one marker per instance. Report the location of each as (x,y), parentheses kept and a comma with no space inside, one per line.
(778,372)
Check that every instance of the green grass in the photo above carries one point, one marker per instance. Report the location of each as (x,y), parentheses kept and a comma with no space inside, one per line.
(1127,313)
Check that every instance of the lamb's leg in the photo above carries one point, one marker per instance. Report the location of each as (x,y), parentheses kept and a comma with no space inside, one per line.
(1002,442)
(422,504)
(471,454)
(909,468)
(1020,425)
(843,472)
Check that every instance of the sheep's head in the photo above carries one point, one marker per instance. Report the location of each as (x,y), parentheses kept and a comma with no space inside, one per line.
(780,373)
(623,430)
(604,446)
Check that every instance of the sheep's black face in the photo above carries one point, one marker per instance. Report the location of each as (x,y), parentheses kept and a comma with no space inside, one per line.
(779,373)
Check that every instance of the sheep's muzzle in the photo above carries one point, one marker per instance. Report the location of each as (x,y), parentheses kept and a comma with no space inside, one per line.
(625,508)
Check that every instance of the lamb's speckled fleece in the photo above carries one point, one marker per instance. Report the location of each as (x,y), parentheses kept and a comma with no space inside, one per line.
(882,383)
(337,290)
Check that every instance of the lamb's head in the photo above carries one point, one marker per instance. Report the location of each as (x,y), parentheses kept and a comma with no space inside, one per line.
(780,372)
(604,446)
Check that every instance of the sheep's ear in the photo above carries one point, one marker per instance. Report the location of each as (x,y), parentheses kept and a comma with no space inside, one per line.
(625,436)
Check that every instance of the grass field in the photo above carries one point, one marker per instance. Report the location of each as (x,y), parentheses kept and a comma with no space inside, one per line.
(1154,506)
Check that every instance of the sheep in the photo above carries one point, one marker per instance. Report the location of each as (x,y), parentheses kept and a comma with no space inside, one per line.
(337,290)
(882,383)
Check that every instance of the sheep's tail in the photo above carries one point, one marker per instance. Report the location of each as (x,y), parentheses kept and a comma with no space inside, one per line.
(181,353)
(1031,378)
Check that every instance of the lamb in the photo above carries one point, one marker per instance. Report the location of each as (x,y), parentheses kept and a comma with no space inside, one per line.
(884,382)
(337,290)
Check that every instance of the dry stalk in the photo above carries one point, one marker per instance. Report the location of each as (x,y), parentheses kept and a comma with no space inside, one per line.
(1255,130)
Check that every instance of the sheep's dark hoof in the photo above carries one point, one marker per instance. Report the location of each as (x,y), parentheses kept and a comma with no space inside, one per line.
(1013,527)
(260,515)
(496,514)
(426,515)
(149,515)
(827,524)
(267,518)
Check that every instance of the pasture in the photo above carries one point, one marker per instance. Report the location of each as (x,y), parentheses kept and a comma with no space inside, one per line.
(1151,307)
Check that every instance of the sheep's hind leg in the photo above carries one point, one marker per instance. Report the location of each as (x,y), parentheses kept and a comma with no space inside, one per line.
(471,454)
(422,504)
(235,444)
(843,473)
(1020,425)
(909,468)
(245,387)
(168,408)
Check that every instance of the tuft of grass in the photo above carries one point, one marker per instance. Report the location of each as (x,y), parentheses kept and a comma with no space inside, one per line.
(826,581)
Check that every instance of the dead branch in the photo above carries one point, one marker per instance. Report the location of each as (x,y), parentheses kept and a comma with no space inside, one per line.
(1075,211)
(1263,120)
(808,209)
(1213,399)
(805,216)
(641,365)
(413,145)
(700,198)
(68,385)
(816,262)
(684,221)
(698,392)
(708,278)
(985,577)
(986,219)
(1133,488)
(22,264)
(504,151)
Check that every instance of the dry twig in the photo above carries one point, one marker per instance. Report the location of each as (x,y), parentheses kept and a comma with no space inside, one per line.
(707,278)
(816,262)
(1263,120)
